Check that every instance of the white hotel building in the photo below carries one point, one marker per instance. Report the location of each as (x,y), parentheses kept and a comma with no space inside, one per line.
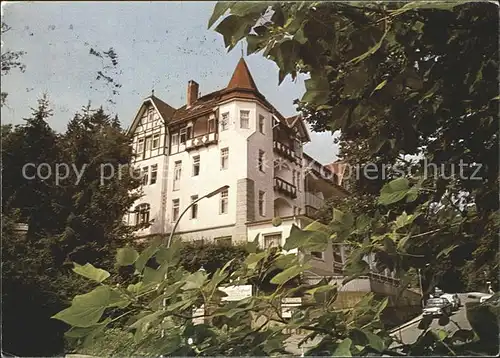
(233,137)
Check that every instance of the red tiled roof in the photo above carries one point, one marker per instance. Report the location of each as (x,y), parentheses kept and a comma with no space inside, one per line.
(242,79)
(203,104)
(166,111)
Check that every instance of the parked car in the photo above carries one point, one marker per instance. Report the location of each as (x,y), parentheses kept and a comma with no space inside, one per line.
(453,299)
(485,298)
(437,307)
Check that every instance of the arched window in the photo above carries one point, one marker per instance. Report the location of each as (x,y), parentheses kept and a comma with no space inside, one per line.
(142,214)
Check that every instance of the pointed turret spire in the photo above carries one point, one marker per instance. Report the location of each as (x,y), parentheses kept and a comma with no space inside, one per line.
(242,78)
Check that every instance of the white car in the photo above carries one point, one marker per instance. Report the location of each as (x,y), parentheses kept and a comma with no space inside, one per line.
(485,298)
(453,299)
(437,307)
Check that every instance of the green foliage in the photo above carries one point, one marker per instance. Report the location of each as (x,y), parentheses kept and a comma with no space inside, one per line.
(70,221)
(253,325)
(400,79)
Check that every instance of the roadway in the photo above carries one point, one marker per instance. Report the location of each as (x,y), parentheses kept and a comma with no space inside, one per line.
(409,333)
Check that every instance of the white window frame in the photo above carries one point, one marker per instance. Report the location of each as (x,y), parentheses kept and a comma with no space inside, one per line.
(261,123)
(142,212)
(261,158)
(151,114)
(177,174)
(196,163)
(262,203)
(183,132)
(148,143)
(194,208)
(145,175)
(176,205)
(156,141)
(175,139)
(244,119)
(224,202)
(224,158)
(154,174)
(274,239)
(140,145)
(224,122)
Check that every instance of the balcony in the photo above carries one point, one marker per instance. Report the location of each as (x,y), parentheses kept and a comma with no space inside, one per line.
(201,140)
(285,187)
(285,151)
(313,201)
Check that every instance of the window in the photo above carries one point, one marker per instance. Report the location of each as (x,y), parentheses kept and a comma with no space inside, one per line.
(261,123)
(273,240)
(262,199)
(183,135)
(151,115)
(177,174)
(298,181)
(142,214)
(175,139)
(223,240)
(317,254)
(224,122)
(196,165)
(175,209)
(194,208)
(261,160)
(148,143)
(293,176)
(224,158)
(156,141)
(211,125)
(154,173)
(224,202)
(145,175)
(189,131)
(244,119)
(140,145)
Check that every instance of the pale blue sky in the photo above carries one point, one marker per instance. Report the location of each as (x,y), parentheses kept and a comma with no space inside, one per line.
(160,45)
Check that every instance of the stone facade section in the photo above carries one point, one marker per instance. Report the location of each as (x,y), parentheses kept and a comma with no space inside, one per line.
(245,208)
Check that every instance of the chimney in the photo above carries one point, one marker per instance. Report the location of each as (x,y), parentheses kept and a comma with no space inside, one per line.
(192,92)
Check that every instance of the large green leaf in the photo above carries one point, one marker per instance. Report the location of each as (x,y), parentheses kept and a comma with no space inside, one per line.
(195,281)
(288,274)
(234,28)
(126,256)
(343,349)
(305,239)
(220,9)
(146,254)
(394,191)
(89,271)
(87,309)
(317,90)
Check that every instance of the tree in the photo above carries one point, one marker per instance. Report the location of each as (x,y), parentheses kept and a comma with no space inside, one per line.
(10,60)
(70,216)
(398,79)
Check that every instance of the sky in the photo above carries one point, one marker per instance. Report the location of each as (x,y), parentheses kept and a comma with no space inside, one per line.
(159,45)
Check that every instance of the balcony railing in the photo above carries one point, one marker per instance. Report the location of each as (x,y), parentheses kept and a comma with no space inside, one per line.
(201,140)
(285,187)
(285,151)
(313,201)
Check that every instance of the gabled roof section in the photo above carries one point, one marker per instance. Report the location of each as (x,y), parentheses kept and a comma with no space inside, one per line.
(165,111)
(242,78)
(202,105)
(298,122)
